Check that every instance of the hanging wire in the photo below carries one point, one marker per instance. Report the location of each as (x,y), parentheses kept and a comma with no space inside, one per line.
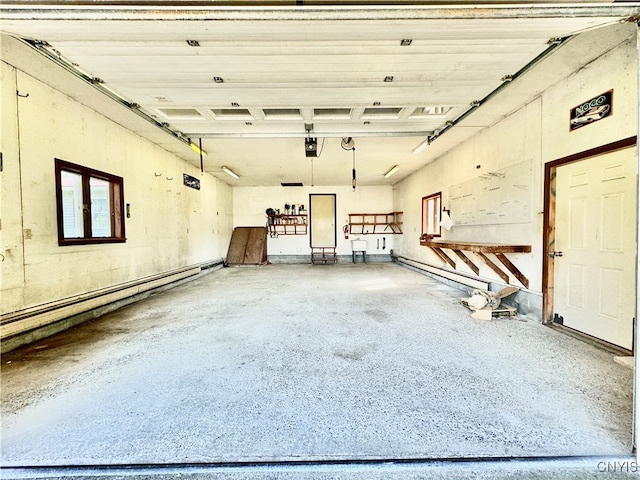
(321,148)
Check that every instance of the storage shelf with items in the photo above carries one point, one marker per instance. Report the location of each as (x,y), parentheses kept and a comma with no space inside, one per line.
(375,223)
(287,225)
(292,222)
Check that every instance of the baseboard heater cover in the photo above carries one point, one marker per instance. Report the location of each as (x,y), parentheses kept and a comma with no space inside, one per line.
(456,277)
(33,318)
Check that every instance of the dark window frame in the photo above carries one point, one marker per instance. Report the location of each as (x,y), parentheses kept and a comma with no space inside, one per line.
(437,218)
(116,200)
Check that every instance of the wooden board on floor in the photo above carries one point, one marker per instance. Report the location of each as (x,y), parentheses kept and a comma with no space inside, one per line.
(238,245)
(256,252)
(248,246)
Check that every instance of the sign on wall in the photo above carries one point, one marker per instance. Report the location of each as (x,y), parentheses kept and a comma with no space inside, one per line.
(190,181)
(591,111)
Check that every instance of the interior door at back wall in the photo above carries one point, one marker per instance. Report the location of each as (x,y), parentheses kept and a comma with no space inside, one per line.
(596,235)
(322,219)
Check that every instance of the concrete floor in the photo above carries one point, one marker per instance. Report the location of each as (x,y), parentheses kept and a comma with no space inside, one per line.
(301,362)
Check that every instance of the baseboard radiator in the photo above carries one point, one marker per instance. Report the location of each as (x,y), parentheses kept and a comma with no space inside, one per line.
(31,319)
(443,273)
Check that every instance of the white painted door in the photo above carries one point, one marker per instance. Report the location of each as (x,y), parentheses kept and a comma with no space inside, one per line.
(322,212)
(596,237)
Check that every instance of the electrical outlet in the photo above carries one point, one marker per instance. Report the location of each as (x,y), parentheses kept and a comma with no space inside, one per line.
(27,234)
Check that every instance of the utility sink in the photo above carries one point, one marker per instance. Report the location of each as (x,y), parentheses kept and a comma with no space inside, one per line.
(359,245)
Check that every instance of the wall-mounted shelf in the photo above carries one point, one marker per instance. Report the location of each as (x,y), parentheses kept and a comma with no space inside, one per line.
(481,250)
(375,223)
(282,224)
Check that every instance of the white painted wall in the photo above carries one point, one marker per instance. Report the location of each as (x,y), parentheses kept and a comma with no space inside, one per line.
(250,204)
(171,226)
(537,132)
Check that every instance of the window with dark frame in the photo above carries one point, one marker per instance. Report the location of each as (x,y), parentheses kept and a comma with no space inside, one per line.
(431,214)
(90,205)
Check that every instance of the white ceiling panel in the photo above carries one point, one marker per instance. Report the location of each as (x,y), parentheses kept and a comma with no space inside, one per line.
(304,58)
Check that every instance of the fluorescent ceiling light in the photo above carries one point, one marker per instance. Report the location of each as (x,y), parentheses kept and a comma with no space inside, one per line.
(422,146)
(228,171)
(197,149)
(391,171)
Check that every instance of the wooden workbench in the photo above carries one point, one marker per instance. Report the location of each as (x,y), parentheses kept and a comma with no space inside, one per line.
(481,250)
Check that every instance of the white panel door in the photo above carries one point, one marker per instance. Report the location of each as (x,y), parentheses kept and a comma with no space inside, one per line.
(322,212)
(596,246)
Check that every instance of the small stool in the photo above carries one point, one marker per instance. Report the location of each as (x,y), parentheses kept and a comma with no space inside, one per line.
(355,252)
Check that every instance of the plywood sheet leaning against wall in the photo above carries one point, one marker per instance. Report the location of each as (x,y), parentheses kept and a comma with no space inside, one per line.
(248,246)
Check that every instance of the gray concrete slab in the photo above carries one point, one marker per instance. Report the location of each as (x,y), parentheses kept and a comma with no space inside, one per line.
(291,362)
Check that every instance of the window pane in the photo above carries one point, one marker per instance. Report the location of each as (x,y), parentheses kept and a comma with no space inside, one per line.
(431,209)
(100,208)
(90,205)
(431,214)
(72,205)
(436,215)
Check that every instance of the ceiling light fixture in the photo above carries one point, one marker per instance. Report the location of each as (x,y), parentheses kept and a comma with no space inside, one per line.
(197,149)
(230,172)
(405,42)
(193,43)
(388,78)
(423,145)
(218,79)
(391,171)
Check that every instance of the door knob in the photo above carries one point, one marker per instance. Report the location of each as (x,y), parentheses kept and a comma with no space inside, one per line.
(557,254)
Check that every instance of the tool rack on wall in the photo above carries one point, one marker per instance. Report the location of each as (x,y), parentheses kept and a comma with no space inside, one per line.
(375,223)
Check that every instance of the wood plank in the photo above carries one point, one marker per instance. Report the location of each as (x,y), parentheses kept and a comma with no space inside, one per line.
(444,257)
(468,261)
(256,251)
(238,245)
(494,267)
(478,247)
(513,269)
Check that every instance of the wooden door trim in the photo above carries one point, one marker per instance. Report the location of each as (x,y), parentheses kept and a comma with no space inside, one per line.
(549,216)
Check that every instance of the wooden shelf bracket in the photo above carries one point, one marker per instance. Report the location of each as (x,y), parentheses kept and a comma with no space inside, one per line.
(481,250)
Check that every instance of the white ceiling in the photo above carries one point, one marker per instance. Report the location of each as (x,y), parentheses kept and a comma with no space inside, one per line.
(285,66)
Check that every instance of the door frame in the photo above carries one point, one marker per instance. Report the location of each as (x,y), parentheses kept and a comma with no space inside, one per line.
(335,218)
(549,217)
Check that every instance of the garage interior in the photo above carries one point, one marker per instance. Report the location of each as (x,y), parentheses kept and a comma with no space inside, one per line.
(389,159)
